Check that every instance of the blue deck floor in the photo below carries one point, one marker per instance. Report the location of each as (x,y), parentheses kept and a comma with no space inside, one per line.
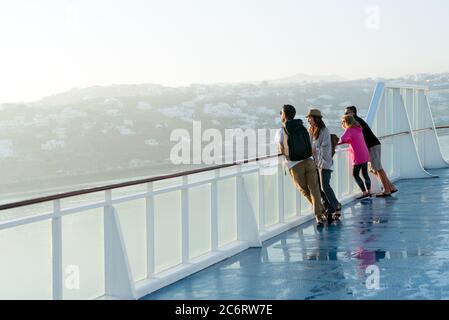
(406,236)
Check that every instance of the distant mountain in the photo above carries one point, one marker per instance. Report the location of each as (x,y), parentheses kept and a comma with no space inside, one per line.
(79,95)
(301,78)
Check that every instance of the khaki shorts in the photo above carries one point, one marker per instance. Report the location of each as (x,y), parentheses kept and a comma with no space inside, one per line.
(375,163)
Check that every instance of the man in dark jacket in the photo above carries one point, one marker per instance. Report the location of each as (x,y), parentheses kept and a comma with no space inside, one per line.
(374,147)
(299,159)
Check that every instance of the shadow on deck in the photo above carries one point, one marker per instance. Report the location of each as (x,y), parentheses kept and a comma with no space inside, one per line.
(406,237)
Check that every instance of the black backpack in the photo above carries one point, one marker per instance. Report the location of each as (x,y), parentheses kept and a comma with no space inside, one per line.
(298,146)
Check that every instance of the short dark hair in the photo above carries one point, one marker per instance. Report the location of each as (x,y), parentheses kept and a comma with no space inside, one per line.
(290,111)
(353,109)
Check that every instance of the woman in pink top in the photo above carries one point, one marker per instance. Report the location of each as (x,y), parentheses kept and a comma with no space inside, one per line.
(353,135)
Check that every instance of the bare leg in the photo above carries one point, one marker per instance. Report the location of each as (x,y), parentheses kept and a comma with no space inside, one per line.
(392,186)
(388,186)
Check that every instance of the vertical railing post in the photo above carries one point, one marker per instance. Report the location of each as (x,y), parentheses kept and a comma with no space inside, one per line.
(108,249)
(238,197)
(397,125)
(57,274)
(261,198)
(185,219)
(118,278)
(214,212)
(281,194)
(340,169)
(348,173)
(150,231)
(298,202)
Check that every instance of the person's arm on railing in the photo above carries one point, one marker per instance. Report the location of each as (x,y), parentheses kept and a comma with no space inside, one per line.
(345,138)
(279,140)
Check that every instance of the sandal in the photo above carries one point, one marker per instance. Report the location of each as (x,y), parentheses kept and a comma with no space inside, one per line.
(383,195)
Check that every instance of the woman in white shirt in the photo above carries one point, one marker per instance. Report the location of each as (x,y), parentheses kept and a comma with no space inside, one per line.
(322,154)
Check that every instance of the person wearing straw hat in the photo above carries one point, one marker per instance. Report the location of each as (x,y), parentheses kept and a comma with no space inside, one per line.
(322,154)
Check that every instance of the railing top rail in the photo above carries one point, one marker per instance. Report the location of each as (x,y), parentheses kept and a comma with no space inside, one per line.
(398,85)
(124,184)
(74,193)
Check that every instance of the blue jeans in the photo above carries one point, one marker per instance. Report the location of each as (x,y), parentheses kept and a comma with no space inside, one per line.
(327,193)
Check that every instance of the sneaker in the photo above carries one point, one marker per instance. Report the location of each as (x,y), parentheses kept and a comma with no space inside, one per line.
(337,216)
(319,222)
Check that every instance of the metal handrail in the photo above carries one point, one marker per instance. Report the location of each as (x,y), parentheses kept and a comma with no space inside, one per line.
(74,193)
(69,194)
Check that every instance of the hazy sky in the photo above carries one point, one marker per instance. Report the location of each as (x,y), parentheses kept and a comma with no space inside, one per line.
(48,46)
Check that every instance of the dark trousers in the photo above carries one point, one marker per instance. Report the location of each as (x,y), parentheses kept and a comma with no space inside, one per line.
(327,193)
(356,174)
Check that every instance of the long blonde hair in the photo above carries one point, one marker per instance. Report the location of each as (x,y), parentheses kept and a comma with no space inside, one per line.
(350,121)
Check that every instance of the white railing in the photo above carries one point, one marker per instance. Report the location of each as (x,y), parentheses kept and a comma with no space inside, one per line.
(126,242)
(398,110)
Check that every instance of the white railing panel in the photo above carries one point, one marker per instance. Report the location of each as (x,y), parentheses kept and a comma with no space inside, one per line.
(336,179)
(251,181)
(227,171)
(388,157)
(390,118)
(227,211)
(26,264)
(26,212)
(199,220)
(83,255)
(129,191)
(271,197)
(82,200)
(346,173)
(132,217)
(168,183)
(198,177)
(289,195)
(306,207)
(168,230)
